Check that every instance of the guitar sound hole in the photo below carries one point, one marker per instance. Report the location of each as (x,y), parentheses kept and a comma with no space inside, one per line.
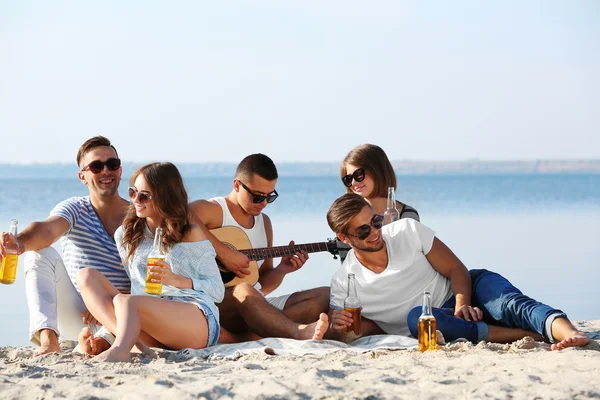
(226,275)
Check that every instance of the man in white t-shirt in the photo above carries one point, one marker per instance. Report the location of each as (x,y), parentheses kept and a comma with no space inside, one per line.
(248,312)
(395,264)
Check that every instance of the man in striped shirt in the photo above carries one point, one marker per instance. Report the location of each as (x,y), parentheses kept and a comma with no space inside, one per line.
(85,226)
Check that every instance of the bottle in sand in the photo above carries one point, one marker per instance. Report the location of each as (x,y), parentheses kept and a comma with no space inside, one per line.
(353,306)
(156,254)
(8,270)
(427,326)
(391,213)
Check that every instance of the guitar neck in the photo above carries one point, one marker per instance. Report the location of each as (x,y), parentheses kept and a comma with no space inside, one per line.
(283,251)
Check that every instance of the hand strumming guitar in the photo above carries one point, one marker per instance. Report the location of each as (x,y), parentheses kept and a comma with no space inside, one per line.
(234,261)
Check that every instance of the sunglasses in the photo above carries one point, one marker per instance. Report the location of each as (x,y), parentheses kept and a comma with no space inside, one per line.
(97,166)
(143,197)
(363,231)
(259,198)
(358,176)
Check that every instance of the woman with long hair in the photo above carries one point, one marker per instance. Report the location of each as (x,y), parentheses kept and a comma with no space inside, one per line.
(368,172)
(185,314)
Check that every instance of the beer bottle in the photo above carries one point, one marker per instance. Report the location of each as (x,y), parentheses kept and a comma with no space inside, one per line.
(352,305)
(8,271)
(156,254)
(391,213)
(427,326)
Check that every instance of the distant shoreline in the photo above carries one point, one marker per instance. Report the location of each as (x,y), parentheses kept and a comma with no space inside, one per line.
(402,167)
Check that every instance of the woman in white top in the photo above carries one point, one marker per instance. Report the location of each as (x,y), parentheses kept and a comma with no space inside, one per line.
(185,314)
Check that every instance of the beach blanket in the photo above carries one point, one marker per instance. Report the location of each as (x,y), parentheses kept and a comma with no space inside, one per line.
(278,346)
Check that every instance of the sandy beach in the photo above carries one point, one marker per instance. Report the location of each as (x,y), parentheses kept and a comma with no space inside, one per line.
(522,370)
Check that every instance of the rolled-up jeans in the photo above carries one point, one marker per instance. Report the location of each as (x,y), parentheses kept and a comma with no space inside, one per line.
(52,299)
(502,305)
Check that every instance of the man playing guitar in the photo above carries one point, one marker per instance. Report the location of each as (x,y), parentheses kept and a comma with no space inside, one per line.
(246,313)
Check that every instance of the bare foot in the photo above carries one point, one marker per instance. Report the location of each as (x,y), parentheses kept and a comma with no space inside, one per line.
(142,348)
(48,343)
(88,344)
(114,354)
(566,335)
(577,340)
(314,331)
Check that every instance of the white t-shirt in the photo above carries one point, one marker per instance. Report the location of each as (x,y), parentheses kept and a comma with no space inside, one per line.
(388,297)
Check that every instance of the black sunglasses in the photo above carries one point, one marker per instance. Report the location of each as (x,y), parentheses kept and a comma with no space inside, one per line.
(363,231)
(259,198)
(97,166)
(358,176)
(143,197)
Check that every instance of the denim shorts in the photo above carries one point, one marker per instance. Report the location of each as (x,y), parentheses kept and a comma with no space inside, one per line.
(214,329)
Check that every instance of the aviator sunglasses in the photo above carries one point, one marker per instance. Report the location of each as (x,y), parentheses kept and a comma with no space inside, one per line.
(97,166)
(142,197)
(358,176)
(363,231)
(259,198)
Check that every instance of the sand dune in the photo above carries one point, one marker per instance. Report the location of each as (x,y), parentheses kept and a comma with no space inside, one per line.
(522,370)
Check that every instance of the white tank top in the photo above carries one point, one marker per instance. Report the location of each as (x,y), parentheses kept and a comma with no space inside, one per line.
(257,234)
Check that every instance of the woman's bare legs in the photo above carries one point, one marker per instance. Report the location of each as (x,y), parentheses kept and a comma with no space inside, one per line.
(98,294)
(175,324)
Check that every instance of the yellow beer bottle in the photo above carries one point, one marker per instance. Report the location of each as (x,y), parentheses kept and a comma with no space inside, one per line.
(10,261)
(156,254)
(353,306)
(427,326)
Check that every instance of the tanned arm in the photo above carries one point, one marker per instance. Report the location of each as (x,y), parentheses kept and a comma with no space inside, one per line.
(271,277)
(208,215)
(38,235)
(443,260)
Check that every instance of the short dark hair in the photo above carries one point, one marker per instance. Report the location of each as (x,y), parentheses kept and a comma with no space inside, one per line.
(258,164)
(375,162)
(343,209)
(96,141)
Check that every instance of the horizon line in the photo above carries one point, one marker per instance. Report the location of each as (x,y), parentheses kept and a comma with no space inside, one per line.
(404,160)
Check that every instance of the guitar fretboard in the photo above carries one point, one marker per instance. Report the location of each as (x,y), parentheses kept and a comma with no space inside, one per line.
(283,251)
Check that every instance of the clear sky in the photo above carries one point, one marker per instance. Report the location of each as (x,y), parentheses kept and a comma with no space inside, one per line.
(195,81)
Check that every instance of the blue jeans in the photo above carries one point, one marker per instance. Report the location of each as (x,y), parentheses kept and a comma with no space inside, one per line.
(502,305)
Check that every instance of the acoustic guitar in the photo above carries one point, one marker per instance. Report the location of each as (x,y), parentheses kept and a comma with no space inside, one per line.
(235,238)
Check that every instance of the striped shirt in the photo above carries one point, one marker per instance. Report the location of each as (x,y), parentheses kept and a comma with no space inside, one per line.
(87,244)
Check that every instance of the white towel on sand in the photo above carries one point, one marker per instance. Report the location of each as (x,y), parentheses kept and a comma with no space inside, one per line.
(278,346)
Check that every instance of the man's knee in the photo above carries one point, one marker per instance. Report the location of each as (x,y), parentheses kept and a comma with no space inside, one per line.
(47,257)
(322,295)
(318,298)
(243,291)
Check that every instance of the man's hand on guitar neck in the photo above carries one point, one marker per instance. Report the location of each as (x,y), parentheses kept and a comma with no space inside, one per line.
(271,278)
(234,261)
(293,263)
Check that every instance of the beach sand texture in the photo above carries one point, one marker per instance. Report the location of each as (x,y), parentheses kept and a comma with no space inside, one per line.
(522,370)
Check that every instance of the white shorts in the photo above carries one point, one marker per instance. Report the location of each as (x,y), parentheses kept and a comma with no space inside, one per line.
(278,301)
